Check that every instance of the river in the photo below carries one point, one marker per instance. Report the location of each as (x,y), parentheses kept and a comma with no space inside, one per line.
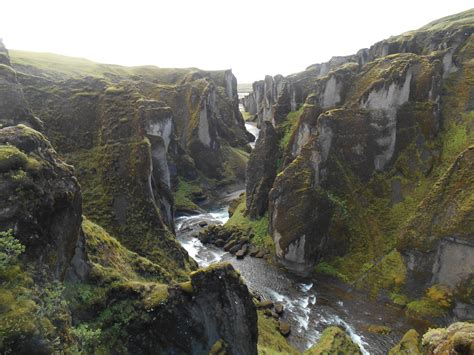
(310,304)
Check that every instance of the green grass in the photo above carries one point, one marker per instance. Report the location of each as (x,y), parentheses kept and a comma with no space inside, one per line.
(60,66)
(259,226)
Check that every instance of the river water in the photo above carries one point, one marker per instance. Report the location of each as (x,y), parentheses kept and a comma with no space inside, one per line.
(311,305)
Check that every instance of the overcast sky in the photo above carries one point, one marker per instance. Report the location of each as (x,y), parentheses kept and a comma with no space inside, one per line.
(253,37)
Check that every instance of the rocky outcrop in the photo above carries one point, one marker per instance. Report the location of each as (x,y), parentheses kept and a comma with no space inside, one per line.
(41,198)
(13,108)
(190,317)
(261,171)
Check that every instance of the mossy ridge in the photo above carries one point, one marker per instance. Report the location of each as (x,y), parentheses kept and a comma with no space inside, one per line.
(112,262)
(136,223)
(55,66)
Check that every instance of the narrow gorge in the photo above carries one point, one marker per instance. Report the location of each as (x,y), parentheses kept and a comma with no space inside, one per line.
(149,210)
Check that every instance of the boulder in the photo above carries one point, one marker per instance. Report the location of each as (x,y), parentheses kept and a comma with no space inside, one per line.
(284,328)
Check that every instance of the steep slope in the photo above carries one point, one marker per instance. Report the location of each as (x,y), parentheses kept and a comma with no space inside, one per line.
(67,285)
(366,142)
(138,136)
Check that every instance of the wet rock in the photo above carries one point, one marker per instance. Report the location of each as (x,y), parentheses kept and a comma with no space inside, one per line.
(260,254)
(284,328)
(253,251)
(13,107)
(219,243)
(179,323)
(235,248)
(279,308)
(232,243)
(265,304)
(202,224)
(240,254)
(379,329)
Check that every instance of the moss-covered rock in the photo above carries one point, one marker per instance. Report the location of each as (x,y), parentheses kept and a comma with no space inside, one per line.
(146,316)
(41,198)
(458,338)
(334,341)
(410,344)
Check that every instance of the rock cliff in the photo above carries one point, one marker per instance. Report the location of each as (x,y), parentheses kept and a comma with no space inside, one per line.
(373,149)
(67,284)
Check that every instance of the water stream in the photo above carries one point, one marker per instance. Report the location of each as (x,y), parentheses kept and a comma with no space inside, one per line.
(310,305)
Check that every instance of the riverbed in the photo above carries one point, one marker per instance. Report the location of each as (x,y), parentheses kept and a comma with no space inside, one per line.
(311,304)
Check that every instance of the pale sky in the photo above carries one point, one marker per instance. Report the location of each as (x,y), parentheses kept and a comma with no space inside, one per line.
(253,37)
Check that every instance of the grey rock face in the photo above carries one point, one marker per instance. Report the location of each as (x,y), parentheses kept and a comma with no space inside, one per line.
(261,171)
(219,308)
(13,107)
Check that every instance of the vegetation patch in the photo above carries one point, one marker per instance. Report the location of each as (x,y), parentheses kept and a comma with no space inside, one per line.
(270,341)
(258,227)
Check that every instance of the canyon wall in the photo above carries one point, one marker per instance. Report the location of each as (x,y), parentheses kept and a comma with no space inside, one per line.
(365,142)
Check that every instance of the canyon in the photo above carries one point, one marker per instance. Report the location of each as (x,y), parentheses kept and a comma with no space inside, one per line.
(141,213)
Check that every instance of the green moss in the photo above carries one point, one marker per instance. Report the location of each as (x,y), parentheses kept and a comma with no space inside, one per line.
(327,269)
(288,127)
(12,158)
(219,348)
(333,341)
(399,299)
(425,308)
(270,341)
(379,329)
(388,274)
(409,345)
(114,90)
(441,294)
(259,227)
(186,287)
(183,196)
(115,188)
(111,261)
